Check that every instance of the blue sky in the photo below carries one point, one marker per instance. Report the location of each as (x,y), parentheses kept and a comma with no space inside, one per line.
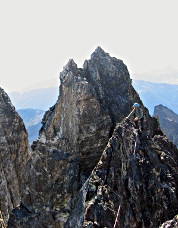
(38,37)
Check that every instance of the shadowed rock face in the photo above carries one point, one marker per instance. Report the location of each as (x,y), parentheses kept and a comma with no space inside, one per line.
(168,122)
(143,184)
(71,182)
(14,153)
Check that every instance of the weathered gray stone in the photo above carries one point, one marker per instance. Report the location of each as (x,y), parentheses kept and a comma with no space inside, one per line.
(14,153)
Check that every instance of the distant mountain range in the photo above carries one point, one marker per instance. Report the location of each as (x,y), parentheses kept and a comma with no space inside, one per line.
(153,94)
(32,120)
(167,75)
(53,82)
(158,87)
(32,102)
(42,98)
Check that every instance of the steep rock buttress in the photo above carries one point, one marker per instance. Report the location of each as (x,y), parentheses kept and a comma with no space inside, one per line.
(14,153)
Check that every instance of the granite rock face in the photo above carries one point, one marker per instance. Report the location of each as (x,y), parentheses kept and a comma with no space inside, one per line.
(85,163)
(168,122)
(14,153)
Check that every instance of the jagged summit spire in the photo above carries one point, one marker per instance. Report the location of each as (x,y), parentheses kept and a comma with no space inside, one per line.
(99,55)
(99,52)
(99,49)
(70,64)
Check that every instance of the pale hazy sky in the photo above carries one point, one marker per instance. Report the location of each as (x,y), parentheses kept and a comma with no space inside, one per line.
(38,37)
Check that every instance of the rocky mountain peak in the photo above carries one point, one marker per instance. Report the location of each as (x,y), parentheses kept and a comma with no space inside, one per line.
(71,66)
(88,160)
(99,52)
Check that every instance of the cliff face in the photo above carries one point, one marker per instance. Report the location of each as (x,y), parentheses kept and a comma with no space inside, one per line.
(14,152)
(168,122)
(138,182)
(84,164)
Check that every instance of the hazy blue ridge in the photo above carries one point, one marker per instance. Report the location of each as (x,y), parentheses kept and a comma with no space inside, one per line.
(31,106)
(33,131)
(168,122)
(42,98)
(32,120)
(153,94)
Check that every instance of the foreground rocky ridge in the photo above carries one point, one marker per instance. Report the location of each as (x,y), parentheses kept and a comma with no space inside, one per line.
(13,156)
(69,180)
(141,183)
